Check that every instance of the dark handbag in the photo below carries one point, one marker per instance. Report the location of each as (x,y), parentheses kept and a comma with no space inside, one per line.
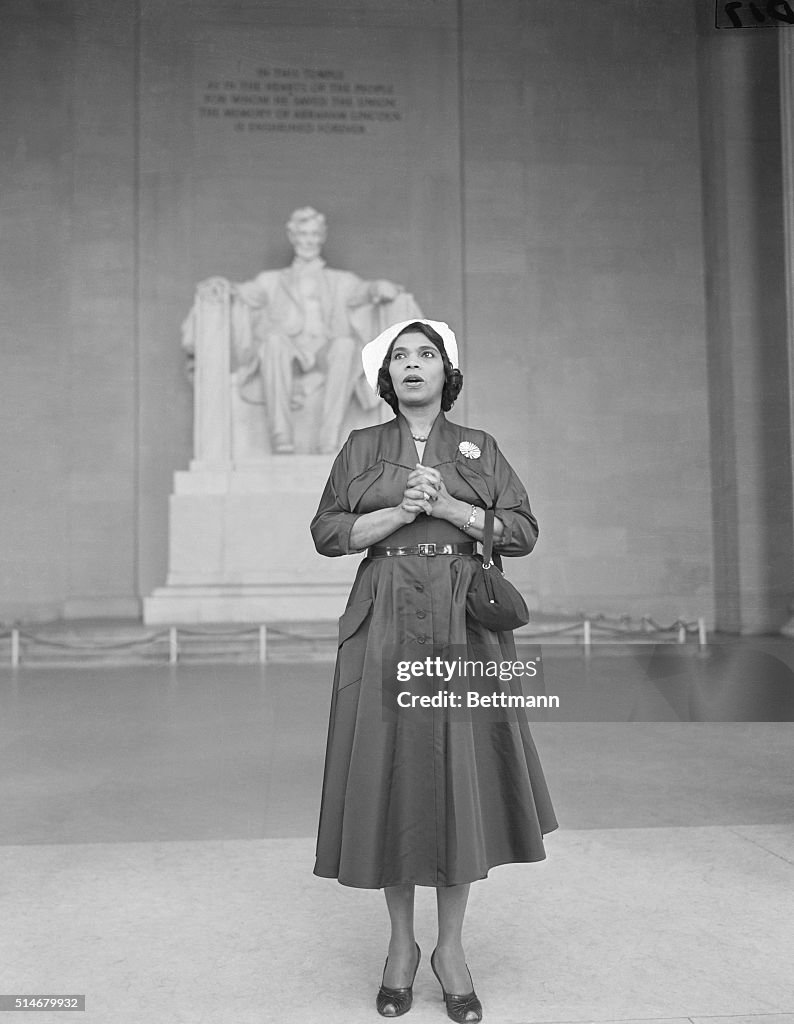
(492,598)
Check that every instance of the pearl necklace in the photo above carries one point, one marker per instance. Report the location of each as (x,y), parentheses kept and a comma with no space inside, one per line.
(417,438)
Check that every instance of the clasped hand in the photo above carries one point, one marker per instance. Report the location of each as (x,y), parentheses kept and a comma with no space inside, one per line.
(426,492)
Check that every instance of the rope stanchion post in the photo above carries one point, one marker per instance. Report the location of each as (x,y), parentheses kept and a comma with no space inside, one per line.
(620,629)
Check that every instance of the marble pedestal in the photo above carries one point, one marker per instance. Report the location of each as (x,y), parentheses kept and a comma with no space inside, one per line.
(240,548)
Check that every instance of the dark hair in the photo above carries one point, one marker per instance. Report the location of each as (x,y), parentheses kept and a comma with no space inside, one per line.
(453,378)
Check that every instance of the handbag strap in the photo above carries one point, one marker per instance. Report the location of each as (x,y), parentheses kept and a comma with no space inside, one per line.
(488,556)
(487,539)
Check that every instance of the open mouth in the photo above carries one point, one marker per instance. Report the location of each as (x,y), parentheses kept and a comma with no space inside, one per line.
(413,379)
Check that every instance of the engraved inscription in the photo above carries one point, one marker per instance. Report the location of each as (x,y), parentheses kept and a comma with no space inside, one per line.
(299,100)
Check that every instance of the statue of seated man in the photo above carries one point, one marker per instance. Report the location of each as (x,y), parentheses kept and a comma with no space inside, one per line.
(299,330)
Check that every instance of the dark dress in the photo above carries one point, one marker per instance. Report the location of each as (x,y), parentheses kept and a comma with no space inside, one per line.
(434,797)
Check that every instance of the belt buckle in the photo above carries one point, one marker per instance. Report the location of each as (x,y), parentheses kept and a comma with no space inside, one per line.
(427,549)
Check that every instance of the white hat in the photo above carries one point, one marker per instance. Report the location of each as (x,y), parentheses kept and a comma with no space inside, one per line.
(373,354)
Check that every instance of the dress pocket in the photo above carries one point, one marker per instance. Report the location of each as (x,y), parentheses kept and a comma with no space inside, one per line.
(353,618)
(352,643)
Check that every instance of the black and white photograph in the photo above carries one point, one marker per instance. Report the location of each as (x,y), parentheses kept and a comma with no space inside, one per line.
(397,519)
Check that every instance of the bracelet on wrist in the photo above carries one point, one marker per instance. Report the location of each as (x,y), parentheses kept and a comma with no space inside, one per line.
(470,521)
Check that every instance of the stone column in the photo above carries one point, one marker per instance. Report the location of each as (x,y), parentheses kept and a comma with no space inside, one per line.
(747,325)
(786,46)
(212,398)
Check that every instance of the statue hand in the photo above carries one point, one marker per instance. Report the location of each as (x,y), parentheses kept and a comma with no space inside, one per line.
(385,291)
(214,288)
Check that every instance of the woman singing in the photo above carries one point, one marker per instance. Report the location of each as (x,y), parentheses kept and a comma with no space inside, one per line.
(427,797)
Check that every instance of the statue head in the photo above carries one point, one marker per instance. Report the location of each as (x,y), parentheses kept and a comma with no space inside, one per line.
(307,231)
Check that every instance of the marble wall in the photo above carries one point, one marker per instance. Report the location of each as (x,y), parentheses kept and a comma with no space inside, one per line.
(553,190)
(68,391)
(585,273)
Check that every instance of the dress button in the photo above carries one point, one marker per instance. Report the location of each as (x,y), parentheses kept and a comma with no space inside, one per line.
(419,586)
(420,614)
(421,639)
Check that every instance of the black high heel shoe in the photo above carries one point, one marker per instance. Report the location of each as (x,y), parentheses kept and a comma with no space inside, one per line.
(400,998)
(459,1006)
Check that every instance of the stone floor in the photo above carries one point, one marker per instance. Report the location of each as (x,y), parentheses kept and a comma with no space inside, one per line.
(156,846)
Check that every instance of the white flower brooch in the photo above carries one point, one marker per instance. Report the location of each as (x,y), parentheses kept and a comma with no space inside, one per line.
(469,450)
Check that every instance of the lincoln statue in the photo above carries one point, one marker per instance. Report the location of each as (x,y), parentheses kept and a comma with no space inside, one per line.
(297,333)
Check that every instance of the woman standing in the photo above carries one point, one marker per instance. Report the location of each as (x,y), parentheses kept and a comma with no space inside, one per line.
(429,798)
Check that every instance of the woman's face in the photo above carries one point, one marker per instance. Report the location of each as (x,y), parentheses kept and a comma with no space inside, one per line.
(417,370)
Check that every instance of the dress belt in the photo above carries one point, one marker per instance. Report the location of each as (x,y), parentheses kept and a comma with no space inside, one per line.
(468,548)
